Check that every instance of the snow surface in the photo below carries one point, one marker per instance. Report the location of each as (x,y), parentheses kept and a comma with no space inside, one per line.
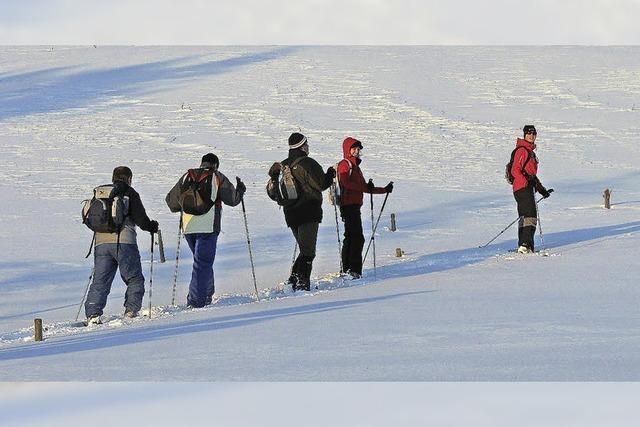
(438,121)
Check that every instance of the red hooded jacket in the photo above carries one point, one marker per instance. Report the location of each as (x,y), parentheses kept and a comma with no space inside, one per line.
(523,173)
(352,183)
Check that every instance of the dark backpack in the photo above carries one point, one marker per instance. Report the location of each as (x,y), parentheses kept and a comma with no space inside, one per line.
(507,171)
(285,190)
(197,192)
(106,211)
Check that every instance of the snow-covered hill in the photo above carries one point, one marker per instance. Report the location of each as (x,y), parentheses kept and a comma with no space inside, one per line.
(438,121)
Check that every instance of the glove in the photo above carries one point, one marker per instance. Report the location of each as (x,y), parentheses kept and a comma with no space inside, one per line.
(240,185)
(370,185)
(153,227)
(331,172)
(389,187)
(546,193)
(274,171)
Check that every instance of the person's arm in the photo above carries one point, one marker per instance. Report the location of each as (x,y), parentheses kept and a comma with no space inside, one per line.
(370,188)
(517,168)
(173,197)
(319,179)
(227,193)
(541,189)
(139,215)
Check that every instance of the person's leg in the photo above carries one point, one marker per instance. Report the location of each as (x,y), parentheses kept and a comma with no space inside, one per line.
(131,273)
(346,242)
(307,239)
(528,216)
(202,273)
(357,239)
(105,270)
(296,267)
(212,284)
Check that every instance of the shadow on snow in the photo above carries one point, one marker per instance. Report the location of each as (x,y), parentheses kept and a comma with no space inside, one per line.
(88,342)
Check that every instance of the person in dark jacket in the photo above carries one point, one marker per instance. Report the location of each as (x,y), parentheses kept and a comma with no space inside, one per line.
(201,231)
(119,250)
(525,184)
(352,186)
(305,215)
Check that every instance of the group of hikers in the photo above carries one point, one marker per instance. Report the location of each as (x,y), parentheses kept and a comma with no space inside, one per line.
(296,184)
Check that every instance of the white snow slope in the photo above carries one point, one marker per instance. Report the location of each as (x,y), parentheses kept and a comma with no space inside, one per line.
(438,121)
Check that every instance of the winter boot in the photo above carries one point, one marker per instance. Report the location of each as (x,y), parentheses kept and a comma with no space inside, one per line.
(130,314)
(354,275)
(524,250)
(303,284)
(94,320)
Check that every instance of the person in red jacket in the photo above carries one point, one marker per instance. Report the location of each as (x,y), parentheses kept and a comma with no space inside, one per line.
(525,184)
(352,186)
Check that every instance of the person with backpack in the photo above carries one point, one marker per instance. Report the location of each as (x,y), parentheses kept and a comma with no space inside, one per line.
(113,214)
(352,186)
(297,184)
(522,173)
(198,196)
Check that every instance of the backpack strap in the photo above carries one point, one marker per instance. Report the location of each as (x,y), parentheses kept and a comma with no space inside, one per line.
(349,163)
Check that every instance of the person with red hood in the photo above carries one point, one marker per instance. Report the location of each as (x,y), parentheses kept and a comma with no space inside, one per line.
(352,186)
(524,170)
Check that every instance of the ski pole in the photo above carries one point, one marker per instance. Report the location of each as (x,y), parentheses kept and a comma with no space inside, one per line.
(500,233)
(540,225)
(160,244)
(335,209)
(376,227)
(84,295)
(151,275)
(246,229)
(506,228)
(373,237)
(175,273)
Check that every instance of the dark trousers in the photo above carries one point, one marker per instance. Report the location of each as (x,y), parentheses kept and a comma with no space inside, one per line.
(107,259)
(528,216)
(306,236)
(202,285)
(353,239)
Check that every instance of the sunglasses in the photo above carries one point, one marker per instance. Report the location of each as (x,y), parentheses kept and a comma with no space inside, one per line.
(531,132)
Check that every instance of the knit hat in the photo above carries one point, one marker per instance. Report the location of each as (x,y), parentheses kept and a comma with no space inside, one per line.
(297,140)
(121,173)
(211,159)
(529,129)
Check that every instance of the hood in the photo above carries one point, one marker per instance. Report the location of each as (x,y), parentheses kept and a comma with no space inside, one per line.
(526,144)
(346,149)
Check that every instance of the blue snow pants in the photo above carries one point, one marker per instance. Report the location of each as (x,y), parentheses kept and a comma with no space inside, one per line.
(107,259)
(203,247)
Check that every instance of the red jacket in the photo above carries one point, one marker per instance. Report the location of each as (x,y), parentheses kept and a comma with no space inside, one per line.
(352,183)
(523,173)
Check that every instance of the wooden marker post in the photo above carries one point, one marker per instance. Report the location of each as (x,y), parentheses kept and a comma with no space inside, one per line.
(38,329)
(607,198)
(393,222)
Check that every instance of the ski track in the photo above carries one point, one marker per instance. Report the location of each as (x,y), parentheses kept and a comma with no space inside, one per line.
(62,329)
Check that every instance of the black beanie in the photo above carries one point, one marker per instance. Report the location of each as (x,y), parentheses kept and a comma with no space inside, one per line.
(529,129)
(296,140)
(212,159)
(121,173)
